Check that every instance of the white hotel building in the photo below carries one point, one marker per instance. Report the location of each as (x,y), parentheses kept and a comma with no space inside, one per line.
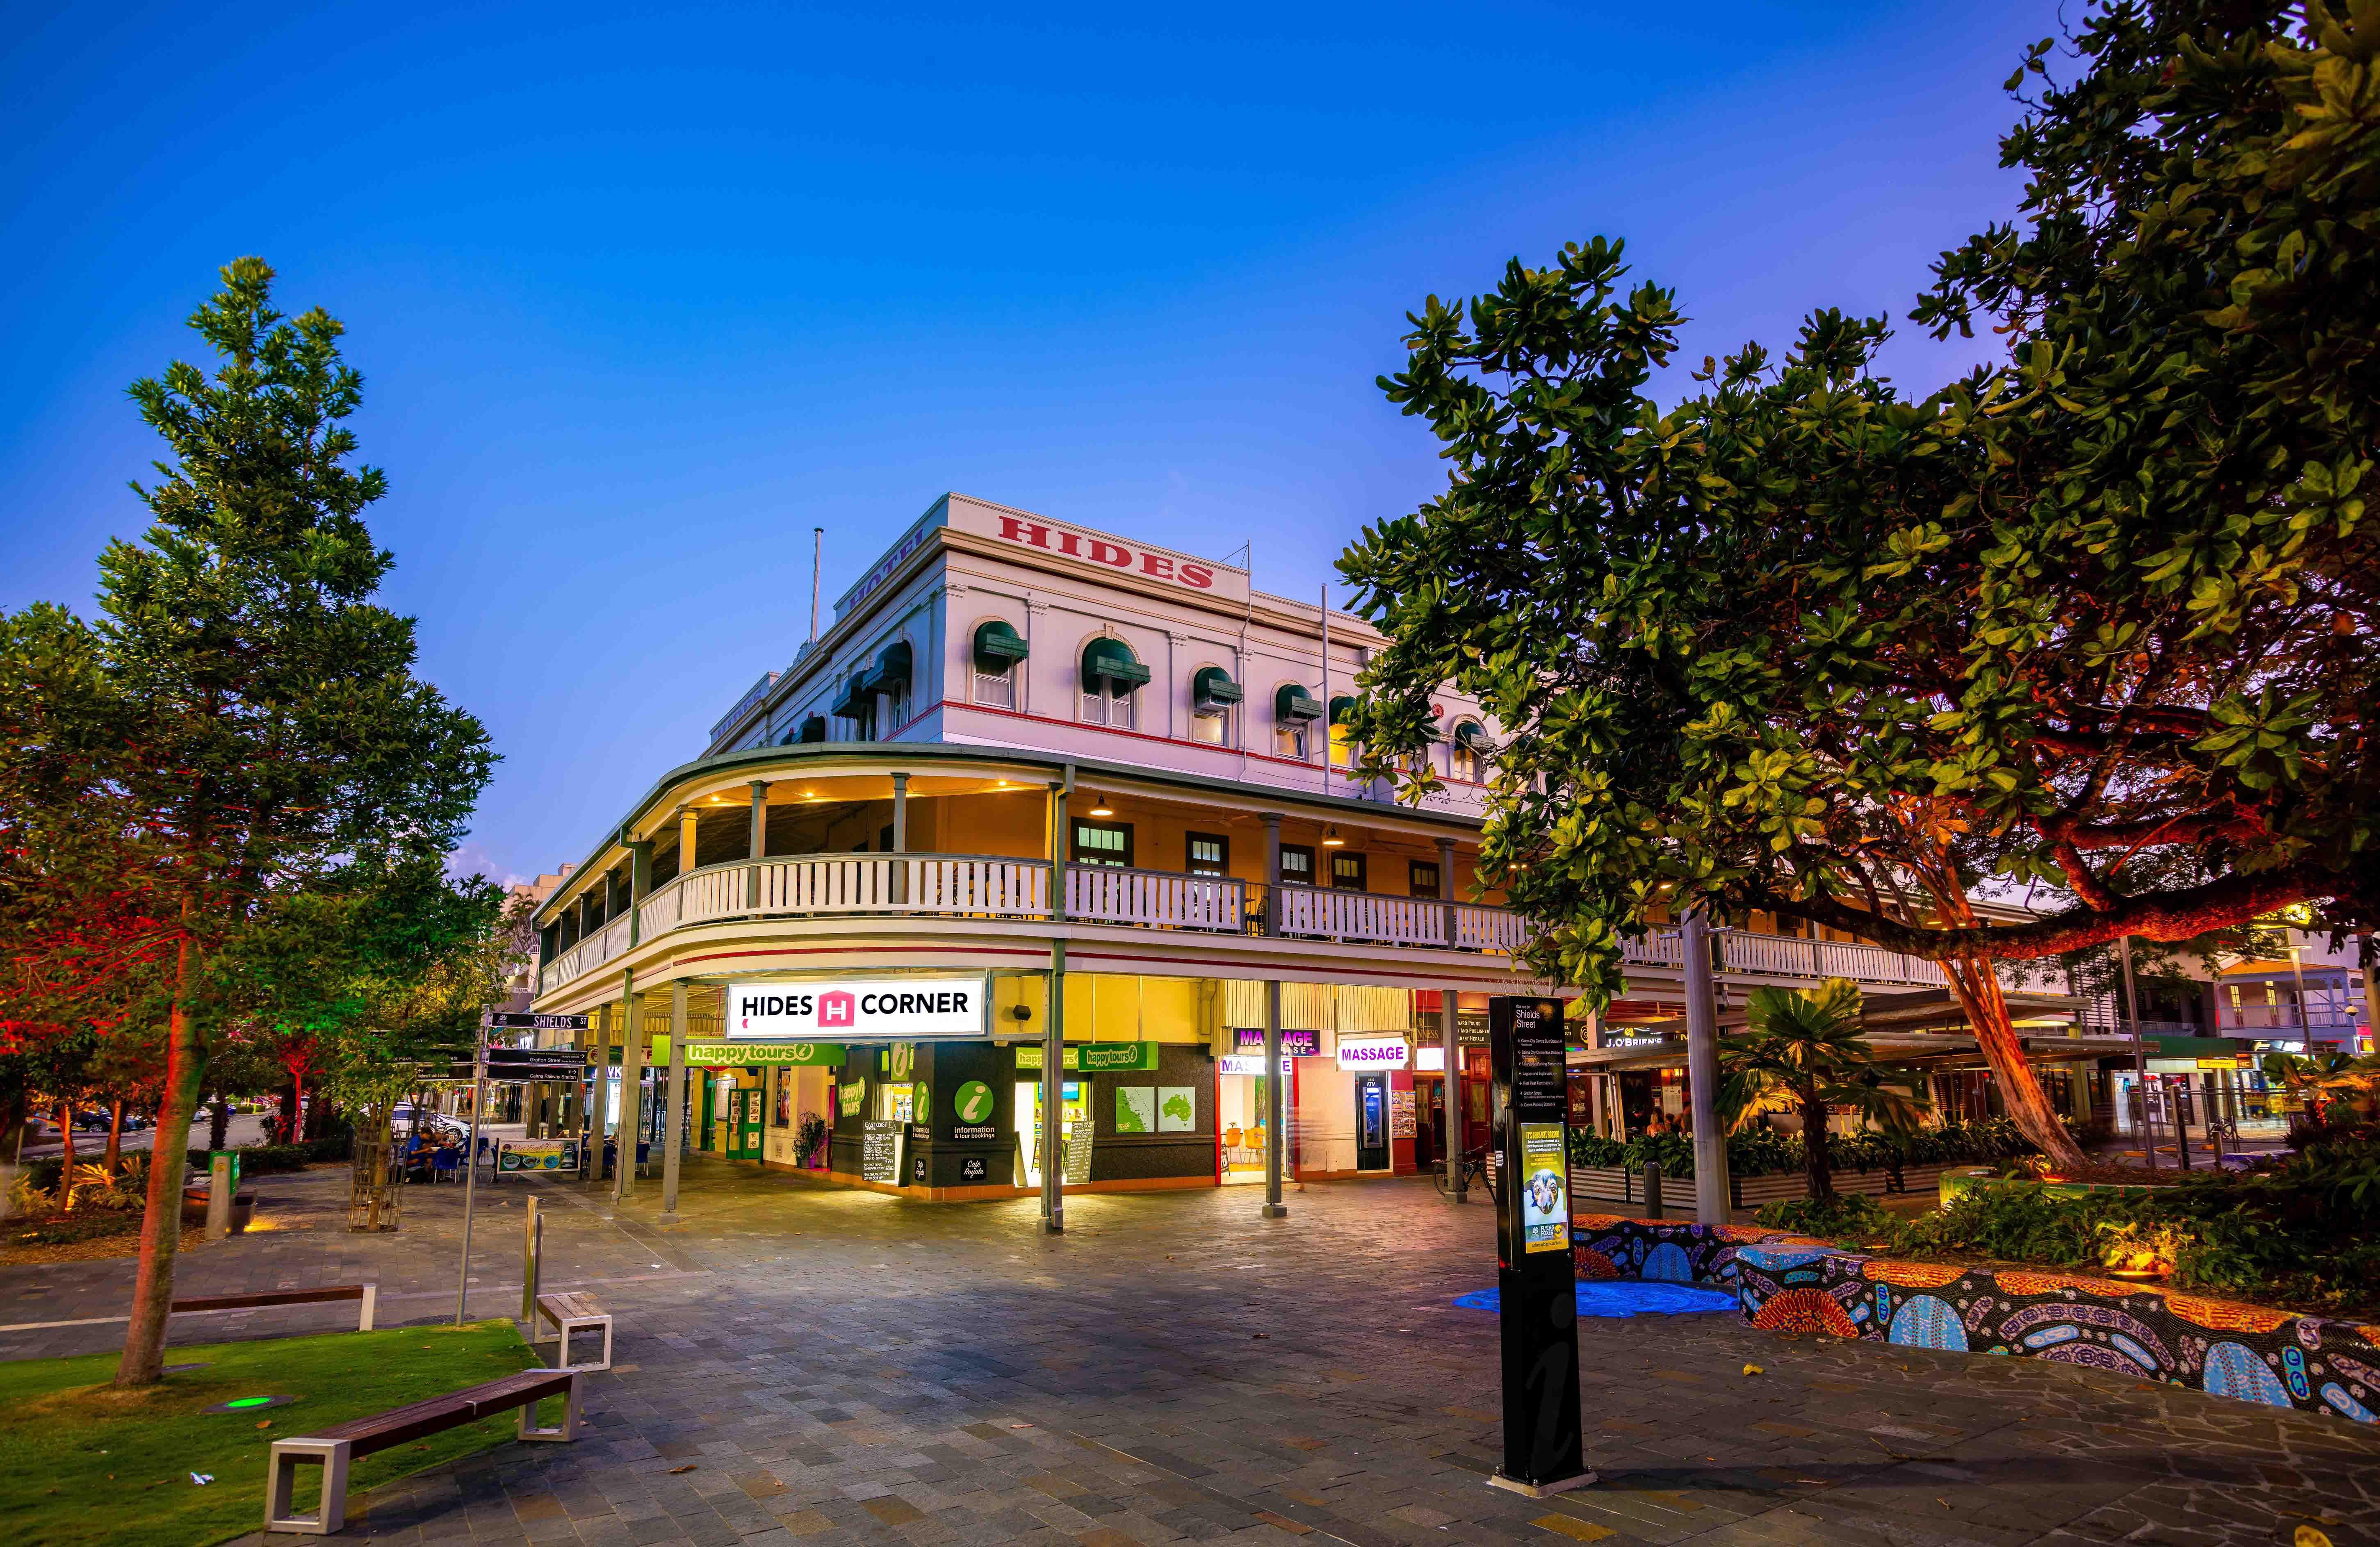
(1025,754)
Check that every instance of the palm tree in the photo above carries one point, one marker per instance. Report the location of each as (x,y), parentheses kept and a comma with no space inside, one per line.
(1805,1051)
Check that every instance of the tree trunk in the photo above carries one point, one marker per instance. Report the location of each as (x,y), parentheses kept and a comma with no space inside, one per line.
(161,1224)
(1817,1167)
(66,1155)
(284,1122)
(218,1123)
(1978,991)
(115,1134)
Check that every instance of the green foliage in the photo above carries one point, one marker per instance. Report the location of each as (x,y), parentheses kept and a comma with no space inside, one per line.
(1806,1052)
(2093,622)
(2304,1233)
(1756,1151)
(66,1229)
(1852,1217)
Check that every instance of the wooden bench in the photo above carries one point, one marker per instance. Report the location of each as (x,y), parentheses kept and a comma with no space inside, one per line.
(336,1447)
(568,1312)
(368,1293)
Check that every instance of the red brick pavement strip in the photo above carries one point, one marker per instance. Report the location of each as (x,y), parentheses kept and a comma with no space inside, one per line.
(841,1368)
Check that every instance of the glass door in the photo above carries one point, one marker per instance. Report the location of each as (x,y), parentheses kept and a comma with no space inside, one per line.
(1371,1122)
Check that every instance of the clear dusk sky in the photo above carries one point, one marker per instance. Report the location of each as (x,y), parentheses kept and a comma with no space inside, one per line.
(640,298)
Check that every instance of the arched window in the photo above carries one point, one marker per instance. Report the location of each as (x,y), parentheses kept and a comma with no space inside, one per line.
(1293,710)
(1113,678)
(1213,699)
(995,653)
(1342,731)
(1469,761)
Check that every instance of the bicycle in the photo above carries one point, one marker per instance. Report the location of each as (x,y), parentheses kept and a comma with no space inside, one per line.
(1471,1167)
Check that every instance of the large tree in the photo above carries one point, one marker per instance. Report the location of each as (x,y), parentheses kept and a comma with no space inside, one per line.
(245,726)
(2091,624)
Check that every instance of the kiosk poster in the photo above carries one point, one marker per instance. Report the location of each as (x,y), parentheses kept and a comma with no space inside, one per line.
(1544,1188)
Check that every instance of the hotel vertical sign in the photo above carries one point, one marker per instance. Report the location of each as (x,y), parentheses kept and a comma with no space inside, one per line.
(1543,1447)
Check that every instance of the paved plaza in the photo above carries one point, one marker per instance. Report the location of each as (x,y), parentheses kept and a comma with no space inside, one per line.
(798,1363)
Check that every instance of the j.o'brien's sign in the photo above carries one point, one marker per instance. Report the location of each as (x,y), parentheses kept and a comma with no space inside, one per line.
(859,1010)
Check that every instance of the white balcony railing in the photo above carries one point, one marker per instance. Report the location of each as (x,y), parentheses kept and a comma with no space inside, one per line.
(1154,899)
(1332,914)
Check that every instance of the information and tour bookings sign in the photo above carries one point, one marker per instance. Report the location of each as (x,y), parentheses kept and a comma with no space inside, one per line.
(1535,1280)
(860,1010)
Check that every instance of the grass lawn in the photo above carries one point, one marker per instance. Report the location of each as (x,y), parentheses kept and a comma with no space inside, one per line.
(80,1462)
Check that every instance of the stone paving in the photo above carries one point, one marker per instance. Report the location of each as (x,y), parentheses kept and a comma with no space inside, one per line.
(798,1363)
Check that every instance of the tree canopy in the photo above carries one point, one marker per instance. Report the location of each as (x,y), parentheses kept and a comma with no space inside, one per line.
(2089,627)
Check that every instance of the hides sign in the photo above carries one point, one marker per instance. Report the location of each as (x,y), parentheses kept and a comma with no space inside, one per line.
(859,1010)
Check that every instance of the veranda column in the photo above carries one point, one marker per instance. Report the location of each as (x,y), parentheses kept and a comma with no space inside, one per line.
(1447,1040)
(1274,1136)
(632,1089)
(673,1119)
(1702,1074)
(605,1028)
(1053,1135)
(689,839)
(760,844)
(900,839)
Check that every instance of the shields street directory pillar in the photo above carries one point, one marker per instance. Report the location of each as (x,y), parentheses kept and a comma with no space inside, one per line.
(1535,1281)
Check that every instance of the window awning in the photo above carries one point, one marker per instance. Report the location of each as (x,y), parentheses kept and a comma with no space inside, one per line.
(1294,703)
(1109,664)
(1342,710)
(814,729)
(997,647)
(1473,735)
(1213,691)
(891,673)
(848,704)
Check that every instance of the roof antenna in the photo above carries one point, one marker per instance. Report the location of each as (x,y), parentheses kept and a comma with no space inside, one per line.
(817,566)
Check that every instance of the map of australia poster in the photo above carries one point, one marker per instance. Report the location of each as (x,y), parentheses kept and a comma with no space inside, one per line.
(1136,1108)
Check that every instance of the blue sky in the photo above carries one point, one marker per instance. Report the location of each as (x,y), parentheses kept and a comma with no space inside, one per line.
(640,300)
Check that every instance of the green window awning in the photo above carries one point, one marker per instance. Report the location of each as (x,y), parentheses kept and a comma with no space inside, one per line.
(814,729)
(891,673)
(1212,692)
(848,703)
(1108,665)
(997,647)
(1473,735)
(1294,703)
(1342,710)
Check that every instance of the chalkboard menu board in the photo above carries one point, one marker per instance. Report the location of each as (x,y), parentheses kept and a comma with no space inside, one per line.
(880,1151)
(1079,1151)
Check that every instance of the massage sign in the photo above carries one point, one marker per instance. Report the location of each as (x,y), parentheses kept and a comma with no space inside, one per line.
(859,1010)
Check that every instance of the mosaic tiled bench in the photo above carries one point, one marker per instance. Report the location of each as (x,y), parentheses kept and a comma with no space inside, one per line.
(1790,1283)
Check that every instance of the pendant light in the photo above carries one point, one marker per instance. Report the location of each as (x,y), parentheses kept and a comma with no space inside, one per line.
(1330,839)
(1100,806)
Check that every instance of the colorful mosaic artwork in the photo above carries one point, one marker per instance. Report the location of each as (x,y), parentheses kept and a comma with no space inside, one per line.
(2244,1352)
(1789,1283)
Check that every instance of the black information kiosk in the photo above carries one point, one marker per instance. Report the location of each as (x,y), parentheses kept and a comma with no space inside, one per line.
(1543,1447)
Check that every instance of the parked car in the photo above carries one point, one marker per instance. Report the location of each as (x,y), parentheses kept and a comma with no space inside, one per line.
(91,1122)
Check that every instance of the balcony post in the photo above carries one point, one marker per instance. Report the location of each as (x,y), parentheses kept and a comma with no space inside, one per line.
(1702,1073)
(673,1119)
(1057,852)
(1446,893)
(640,881)
(689,838)
(1273,885)
(760,844)
(1273,1207)
(900,839)
(1452,1044)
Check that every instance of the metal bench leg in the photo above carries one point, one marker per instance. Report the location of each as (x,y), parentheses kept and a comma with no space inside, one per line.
(281,1480)
(569,1427)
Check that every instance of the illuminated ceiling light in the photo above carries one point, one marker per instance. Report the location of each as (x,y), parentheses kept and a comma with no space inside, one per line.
(1330,839)
(1100,806)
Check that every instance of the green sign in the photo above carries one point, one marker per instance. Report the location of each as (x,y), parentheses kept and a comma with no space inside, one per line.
(826,1055)
(849,1096)
(1093,1056)
(972,1102)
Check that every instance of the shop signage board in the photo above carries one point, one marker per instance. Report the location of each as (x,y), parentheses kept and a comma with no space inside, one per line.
(848,1096)
(1401,1122)
(1246,1063)
(522,1021)
(537,1155)
(530,1065)
(1543,1446)
(972,1105)
(860,1010)
(879,1150)
(1092,1057)
(1294,1045)
(1366,1052)
(819,1055)
(1079,1151)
